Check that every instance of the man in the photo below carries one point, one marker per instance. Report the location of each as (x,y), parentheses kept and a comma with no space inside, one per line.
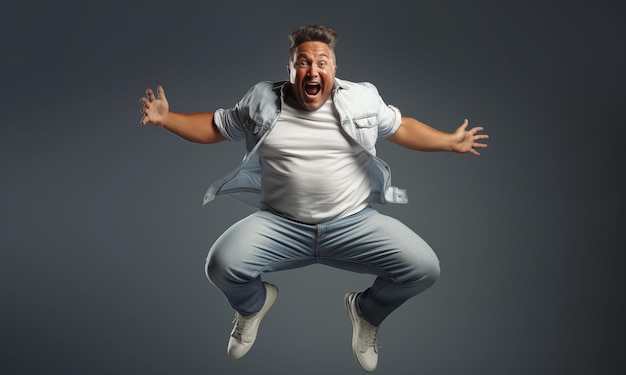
(311,169)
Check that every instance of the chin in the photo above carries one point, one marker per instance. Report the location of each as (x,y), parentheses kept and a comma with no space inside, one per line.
(312,107)
(313,103)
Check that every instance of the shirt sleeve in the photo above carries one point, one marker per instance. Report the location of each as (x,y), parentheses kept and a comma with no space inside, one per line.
(234,122)
(230,122)
(389,119)
(237,123)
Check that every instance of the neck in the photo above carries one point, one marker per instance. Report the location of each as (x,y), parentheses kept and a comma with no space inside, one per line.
(291,100)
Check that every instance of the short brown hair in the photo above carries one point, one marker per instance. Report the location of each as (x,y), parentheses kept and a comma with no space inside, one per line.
(312,33)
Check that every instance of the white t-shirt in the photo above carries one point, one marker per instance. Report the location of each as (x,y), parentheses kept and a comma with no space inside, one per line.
(311,171)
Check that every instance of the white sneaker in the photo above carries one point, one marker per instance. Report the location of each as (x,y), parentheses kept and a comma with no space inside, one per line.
(246,327)
(364,336)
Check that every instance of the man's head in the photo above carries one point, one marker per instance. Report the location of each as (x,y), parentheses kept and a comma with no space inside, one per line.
(312,65)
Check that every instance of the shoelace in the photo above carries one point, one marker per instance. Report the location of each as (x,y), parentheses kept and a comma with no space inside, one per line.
(240,325)
(369,334)
(369,337)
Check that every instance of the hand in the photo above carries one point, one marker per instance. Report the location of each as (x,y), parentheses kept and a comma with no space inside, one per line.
(155,109)
(465,140)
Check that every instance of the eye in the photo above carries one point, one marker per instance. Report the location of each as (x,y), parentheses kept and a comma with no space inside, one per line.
(302,64)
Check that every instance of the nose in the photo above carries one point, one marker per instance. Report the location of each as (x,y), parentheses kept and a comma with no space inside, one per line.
(313,70)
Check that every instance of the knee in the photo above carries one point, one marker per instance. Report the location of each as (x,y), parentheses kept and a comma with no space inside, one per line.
(432,271)
(217,268)
(223,268)
(211,270)
(425,272)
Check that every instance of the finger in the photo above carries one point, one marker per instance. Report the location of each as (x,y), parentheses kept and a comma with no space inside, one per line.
(161,92)
(477,129)
(481,137)
(150,94)
(464,124)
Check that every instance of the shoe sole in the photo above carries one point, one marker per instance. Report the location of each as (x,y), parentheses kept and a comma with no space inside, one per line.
(271,293)
(270,297)
(353,315)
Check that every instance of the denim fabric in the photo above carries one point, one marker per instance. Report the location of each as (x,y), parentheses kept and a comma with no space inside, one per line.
(363,116)
(366,242)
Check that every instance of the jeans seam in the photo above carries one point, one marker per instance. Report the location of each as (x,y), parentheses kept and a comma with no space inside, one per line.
(368,264)
(290,260)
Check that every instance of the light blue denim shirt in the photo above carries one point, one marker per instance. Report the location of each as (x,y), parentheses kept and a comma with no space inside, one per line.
(363,116)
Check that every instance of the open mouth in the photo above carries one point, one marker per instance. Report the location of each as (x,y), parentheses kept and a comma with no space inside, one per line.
(312,89)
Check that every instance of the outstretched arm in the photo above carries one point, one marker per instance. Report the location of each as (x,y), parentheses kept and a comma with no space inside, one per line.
(195,127)
(416,135)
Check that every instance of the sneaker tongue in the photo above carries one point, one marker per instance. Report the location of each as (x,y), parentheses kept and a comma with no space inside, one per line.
(312,89)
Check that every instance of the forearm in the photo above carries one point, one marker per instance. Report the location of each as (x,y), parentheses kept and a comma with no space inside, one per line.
(416,135)
(194,127)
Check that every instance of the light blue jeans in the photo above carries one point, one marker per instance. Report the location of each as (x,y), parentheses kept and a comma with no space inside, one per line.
(366,242)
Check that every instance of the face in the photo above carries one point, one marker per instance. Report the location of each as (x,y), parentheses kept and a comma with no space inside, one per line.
(312,74)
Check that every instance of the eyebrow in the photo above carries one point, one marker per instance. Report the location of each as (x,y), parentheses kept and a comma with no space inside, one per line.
(306,56)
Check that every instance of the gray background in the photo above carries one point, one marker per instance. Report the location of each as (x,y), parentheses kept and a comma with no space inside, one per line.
(103,236)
